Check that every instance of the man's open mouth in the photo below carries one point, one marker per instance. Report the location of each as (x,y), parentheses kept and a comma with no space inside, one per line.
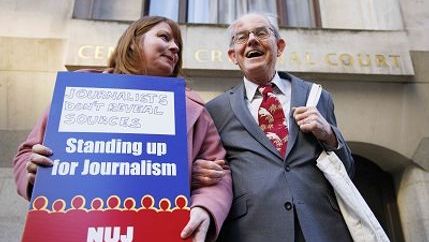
(254,53)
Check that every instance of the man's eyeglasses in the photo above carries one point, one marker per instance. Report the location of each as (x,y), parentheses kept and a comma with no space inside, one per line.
(260,33)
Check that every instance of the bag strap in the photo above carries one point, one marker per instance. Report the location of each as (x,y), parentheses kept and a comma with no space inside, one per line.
(313,97)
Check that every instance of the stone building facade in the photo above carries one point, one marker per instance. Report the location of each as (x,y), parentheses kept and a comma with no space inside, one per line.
(371,55)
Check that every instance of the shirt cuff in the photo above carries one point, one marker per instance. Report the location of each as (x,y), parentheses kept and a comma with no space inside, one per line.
(328,147)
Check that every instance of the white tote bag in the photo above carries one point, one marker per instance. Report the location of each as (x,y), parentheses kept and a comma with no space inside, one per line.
(360,220)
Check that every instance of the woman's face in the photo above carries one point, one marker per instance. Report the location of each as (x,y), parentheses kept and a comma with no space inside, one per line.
(160,51)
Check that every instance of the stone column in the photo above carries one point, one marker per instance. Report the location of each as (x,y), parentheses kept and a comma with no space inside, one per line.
(413,201)
(13,208)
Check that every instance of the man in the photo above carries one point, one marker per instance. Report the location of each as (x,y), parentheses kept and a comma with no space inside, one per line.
(272,142)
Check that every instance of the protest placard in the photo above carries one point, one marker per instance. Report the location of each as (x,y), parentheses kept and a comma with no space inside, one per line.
(120,166)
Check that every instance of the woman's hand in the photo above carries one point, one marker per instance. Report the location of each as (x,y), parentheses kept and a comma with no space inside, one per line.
(207,173)
(197,226)
(38,157)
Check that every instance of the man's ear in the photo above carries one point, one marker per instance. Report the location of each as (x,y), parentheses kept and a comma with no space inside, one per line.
(232,57)
(281,45)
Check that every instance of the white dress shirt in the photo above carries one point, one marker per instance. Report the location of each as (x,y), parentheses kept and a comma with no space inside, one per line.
(254,97)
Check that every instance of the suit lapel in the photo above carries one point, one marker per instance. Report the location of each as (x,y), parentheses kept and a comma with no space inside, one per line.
(298,98)
(241,111)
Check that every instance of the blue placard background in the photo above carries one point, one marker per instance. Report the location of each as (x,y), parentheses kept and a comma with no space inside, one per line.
(67,186)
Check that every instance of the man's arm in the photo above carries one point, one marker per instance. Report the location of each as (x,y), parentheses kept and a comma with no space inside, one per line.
(324,128)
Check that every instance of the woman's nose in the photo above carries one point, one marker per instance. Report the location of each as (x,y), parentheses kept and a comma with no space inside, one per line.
(174,47)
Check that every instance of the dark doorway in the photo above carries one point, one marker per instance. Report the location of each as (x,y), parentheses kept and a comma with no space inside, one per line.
(377,188)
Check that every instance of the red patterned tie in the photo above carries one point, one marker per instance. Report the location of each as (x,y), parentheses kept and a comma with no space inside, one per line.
(272,119)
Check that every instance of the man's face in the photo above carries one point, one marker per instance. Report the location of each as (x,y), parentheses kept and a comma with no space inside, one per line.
(255,48)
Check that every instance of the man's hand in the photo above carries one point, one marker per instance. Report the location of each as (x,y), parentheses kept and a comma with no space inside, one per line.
(197,226)
(207,173)
(38,157)
(309,120)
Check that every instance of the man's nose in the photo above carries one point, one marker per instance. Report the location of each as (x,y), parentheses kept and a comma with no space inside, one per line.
(252,38)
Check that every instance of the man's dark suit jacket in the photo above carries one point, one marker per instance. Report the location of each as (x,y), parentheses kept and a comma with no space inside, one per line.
(270,191)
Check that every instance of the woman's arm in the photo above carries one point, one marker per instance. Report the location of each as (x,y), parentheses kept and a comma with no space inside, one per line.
(30,155)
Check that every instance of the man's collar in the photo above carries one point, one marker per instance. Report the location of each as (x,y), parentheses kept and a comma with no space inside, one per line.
(280,83)
(251,87)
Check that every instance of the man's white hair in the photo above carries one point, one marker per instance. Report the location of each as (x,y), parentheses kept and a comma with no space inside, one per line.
(271,19)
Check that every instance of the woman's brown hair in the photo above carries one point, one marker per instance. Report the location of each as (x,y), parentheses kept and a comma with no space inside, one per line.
(127,56)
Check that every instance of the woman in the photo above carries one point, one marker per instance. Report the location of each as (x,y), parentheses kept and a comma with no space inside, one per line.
(151,46)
